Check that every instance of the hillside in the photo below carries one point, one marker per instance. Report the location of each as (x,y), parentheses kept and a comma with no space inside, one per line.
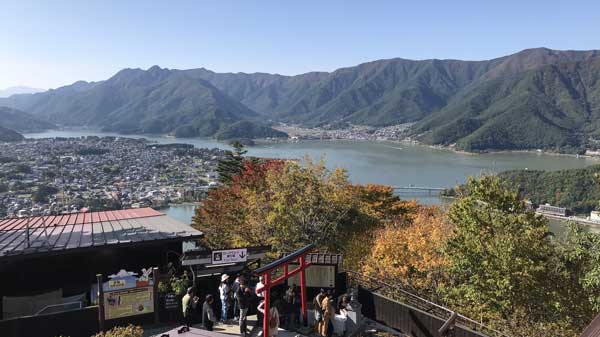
(137,101)
(21,121)
(378,93)
(554,107)
(8,135)
(536,98)
(576,189)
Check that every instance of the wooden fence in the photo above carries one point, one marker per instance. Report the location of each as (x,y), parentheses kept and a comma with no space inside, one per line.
(405,318)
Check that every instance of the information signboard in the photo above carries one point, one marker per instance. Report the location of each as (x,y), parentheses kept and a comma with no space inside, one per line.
(317,276)
(229,256)
(128,302)
(171,302)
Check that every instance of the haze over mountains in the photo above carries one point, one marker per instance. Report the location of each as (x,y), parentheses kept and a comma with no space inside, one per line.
(536,98)
(18,90)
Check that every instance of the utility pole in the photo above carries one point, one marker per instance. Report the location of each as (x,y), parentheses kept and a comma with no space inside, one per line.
(100,303)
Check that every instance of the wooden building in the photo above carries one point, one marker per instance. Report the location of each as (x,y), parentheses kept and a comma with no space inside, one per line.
(52,260)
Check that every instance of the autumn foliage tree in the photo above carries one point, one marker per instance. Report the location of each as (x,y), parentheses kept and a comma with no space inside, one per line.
(410,253)
(289,204)
(486,256)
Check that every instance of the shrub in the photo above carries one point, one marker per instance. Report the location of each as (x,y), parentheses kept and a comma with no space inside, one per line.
(120,331)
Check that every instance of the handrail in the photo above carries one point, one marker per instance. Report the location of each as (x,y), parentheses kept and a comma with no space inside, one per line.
(418,302)
(59,305)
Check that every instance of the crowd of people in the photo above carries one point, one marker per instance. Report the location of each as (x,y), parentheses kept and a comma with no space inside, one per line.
(241,297)
(330,317)
(237,299)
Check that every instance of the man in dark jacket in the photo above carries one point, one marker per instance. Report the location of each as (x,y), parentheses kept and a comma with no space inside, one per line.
(244,298)
(208,315)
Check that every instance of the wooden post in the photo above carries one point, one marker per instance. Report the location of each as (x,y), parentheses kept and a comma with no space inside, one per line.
(100,302)
(303,290)
(267,308)
(155,294)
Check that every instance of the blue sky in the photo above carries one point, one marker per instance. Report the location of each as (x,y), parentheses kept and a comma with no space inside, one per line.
(52,43)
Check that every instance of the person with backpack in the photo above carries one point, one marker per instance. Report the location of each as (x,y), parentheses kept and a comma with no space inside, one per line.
(208,314)
(188,305)
(273,318)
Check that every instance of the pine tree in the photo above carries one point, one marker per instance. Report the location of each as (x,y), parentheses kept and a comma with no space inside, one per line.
(231,165)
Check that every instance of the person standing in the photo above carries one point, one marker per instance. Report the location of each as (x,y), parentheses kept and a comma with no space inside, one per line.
(244,297)
(208,314)
(273,319)
(317,308)
(289,310)
(188,304)
(235,287)
(343,303)
(224,293)
(326,325)
(260,295)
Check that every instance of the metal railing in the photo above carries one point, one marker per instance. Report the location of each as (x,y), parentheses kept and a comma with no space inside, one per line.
(55,308)
(397,293)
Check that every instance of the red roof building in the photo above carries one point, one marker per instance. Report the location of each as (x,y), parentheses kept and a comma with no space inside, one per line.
(59,233)
(62,254)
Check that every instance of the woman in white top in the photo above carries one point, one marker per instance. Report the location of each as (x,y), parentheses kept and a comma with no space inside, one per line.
(224,292)
(273,318)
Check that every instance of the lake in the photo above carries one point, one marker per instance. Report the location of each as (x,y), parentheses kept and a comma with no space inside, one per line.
(382,162)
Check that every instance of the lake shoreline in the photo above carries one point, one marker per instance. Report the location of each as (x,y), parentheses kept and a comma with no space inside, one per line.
(265,141)
(396,163)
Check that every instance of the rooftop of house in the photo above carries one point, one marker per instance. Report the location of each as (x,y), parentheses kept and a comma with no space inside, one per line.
(60,233)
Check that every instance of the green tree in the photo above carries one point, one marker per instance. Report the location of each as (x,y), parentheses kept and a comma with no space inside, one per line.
(23,168)
(231,165)
(42,193)
(502,260)
(579,252)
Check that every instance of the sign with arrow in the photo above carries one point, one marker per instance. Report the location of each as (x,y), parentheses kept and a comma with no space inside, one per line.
(229,256)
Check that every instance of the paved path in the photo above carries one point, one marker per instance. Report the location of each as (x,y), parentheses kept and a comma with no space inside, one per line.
(229,329)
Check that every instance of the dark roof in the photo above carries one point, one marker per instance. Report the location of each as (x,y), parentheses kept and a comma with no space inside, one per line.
(57,233)
(592,330)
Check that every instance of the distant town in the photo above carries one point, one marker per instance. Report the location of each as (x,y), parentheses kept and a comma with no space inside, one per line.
(350,132)
(63,175)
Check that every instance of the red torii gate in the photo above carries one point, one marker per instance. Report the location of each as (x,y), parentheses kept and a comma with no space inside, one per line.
(265,272)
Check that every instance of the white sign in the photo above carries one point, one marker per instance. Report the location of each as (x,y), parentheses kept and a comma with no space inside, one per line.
(229,256)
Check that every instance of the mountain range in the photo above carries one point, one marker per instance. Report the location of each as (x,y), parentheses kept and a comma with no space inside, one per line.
(7,92)
(21,121)
(8,135)
(13,121)
(536,98)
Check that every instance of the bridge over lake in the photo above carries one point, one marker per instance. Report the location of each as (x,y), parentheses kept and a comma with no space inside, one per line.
(410,189)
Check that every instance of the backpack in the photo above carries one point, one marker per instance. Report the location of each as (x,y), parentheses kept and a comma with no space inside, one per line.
(273,321)
(189,307)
